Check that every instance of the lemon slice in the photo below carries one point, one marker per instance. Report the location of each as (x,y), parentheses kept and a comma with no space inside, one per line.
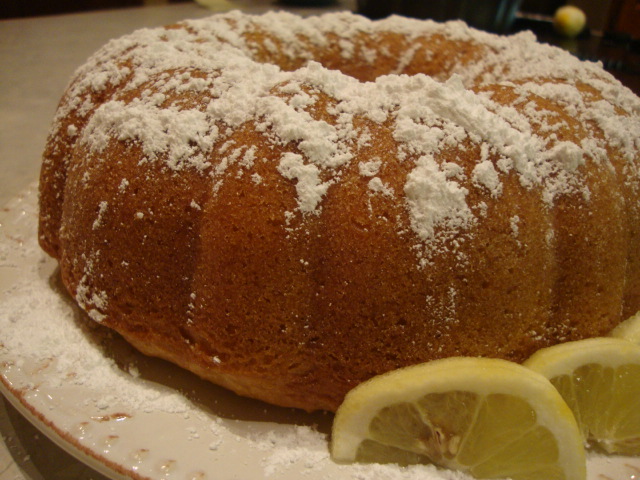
(490,418)
(599,378)
(628,330)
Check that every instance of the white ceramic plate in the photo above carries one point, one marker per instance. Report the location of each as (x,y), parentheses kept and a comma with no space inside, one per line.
(130,416)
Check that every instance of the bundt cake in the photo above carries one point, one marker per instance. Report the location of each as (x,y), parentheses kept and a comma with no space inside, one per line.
(288,206)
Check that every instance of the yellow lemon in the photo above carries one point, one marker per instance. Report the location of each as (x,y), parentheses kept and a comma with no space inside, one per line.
(599,378)
(489,418)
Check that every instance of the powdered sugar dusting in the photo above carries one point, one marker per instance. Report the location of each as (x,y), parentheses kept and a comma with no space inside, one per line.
(94,302)
(102,208)
(308,184)
(186,136)
(485,174)
(436,200)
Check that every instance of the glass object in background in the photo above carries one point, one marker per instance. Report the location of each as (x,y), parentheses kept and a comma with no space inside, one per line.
(492,15)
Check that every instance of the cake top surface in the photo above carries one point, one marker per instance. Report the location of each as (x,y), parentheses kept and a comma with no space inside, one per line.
(181,92)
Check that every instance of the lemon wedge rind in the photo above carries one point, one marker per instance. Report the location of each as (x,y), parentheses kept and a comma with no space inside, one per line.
(561,358)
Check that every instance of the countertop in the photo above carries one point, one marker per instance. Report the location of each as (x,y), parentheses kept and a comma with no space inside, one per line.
(38,56)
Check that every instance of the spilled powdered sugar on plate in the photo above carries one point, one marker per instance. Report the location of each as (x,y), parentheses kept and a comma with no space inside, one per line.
(129,416)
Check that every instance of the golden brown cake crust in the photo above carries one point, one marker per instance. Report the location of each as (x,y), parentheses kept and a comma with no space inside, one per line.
(290,206)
